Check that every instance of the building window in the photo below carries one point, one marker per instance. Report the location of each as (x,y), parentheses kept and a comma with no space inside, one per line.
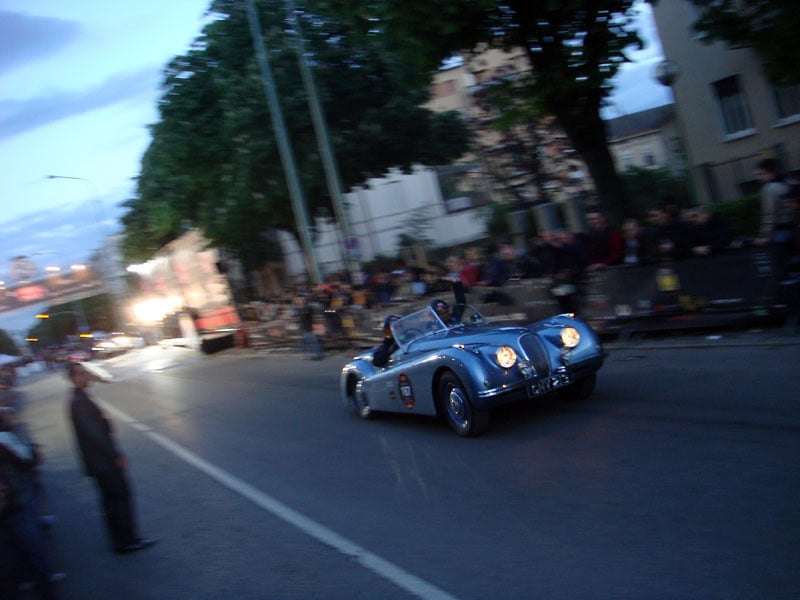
(733,105)
(444,88)
(787,100)
(627,162)
(649,158)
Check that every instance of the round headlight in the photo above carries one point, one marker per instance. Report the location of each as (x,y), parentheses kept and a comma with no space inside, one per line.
(570,337)
(506,357)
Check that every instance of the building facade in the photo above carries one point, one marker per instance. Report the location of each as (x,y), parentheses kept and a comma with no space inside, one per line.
(647,140)
(523,164)
(729,113)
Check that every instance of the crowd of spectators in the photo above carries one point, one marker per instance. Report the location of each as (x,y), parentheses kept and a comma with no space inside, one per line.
(561,257)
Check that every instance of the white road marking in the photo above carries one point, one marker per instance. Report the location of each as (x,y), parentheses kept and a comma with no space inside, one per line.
(378,565)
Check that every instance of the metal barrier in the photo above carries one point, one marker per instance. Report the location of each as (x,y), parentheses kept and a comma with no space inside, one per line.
(727,290)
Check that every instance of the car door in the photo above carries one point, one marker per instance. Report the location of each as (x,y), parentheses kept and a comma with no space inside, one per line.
(400,385)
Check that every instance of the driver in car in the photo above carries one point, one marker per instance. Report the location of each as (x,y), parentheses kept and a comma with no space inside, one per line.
(442,309)
(382,353)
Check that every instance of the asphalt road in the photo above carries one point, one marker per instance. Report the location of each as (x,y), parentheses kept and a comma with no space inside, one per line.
(680,478)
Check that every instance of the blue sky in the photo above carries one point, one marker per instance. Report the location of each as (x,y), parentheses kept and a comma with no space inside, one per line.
(79,84)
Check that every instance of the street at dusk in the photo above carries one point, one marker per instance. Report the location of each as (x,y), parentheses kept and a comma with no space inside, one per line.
(677,479)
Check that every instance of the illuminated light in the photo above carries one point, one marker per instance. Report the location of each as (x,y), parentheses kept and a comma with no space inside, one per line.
(506,356)
(42,316)
(121,340)
(570,337)
(153,311)
(31,339)
(32,293)
(78,267)
(86,335)
(52,269)
(143,268)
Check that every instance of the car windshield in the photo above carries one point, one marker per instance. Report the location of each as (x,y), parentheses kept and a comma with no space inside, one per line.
(425,322)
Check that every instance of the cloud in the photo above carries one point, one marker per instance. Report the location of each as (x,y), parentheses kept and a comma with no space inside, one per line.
(27,38)
(64,235)
(19,116)
(635,86)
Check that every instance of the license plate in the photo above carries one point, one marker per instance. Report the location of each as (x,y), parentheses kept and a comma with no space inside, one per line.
(553,382)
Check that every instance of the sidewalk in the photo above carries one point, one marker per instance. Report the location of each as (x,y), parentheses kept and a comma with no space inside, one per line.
(774,336)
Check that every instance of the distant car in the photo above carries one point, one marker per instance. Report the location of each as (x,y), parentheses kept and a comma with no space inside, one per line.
(114,345)
(79,355)
(464,368)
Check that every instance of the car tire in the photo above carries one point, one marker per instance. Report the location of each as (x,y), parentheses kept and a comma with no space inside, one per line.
(580,390)
(356,400)
(457,408)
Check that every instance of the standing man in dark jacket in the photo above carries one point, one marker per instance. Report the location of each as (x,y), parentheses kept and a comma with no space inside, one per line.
(104,462)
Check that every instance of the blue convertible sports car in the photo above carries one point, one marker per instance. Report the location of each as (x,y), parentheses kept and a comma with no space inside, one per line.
(460,366)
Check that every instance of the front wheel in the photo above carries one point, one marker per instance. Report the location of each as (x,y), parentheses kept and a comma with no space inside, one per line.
(458,410)
(356,400)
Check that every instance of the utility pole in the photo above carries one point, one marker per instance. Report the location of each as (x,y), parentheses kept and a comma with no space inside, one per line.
(284,146)
(325,149)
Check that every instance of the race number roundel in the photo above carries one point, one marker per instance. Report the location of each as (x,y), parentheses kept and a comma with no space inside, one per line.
(406,391)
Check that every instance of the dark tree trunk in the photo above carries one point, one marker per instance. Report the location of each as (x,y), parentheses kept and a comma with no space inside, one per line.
(588,136)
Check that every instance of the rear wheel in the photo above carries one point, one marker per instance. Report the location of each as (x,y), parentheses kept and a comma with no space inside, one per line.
(580,390)
(458,410)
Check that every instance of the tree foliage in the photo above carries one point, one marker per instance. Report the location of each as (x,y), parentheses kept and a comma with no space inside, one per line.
(65,321)
(647,188)
(7,345)
(213,162)
(574,46)
(771,28)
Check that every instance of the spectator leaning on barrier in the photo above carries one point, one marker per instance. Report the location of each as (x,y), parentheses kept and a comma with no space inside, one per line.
(470,273)
(500,267)
(635,244)
(668,235)
(561,260)
(603,245)
(708,233)
(778,215)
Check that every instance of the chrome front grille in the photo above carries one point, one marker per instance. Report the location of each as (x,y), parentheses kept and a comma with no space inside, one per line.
(535,352)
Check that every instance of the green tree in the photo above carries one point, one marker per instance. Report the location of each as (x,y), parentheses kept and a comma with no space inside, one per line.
(7,345)
(574,46)
(213,161)
(771,28)
(646,188)
(416,231)
(498,225)
(94,313)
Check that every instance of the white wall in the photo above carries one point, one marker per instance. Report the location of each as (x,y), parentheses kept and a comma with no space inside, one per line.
(378,213)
